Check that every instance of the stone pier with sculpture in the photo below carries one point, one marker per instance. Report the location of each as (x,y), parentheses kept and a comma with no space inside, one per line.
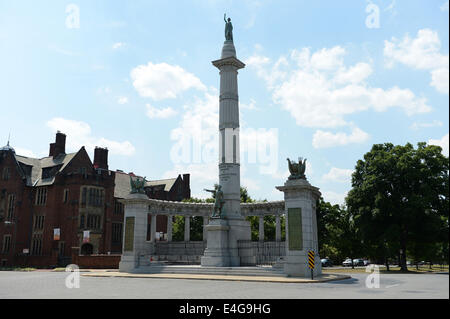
(226,247)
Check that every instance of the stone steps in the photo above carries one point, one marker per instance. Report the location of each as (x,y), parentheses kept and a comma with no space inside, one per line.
(177,259)
(161,268)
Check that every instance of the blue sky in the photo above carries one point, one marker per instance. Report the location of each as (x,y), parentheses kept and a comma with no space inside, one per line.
(324,80)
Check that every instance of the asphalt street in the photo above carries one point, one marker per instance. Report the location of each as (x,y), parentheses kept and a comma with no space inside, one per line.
(47,284)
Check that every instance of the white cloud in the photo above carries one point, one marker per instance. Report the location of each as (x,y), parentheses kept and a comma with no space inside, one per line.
(324,139)
(328,59)
(421,53)
(319,90)
(163,81)
(196,137)
(340,175)
(122,100)
(443,142)
(440,80)
(164,113)
(79,134)
(354,74)
(444,6)
(118,45)
(334,198)
(251,106)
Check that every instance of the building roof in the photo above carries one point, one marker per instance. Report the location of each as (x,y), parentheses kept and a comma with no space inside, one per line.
(7,147)
(38,164)
(123,188)
(167,183)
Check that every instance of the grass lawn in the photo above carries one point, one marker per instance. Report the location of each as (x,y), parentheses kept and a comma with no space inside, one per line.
(422,269)
(17,269)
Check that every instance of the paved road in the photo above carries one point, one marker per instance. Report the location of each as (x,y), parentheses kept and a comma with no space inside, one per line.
(41,284)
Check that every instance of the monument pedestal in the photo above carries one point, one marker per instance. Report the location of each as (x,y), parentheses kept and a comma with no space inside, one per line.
(216,253)
(301,227)
(135,232)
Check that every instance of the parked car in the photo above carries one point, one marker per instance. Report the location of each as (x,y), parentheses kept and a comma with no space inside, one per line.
(366,262)
(358,262)
(326,262)
(347,262)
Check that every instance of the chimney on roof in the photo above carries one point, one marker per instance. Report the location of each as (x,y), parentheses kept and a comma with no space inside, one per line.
(101,158)
(59,147)
(186,186)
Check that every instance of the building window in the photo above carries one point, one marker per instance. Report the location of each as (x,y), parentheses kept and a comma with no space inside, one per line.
(116,237)
(118,208)
(38,222)
(11,203)
(61,248)
(93,221)
(41,196)
(92,196)
(82,221)
(6,244)
(36,245)
(66,196)
(6,174)
(95,197)
(83,196)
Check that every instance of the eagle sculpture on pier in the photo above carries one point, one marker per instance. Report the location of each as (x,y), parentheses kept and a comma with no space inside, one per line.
(297,170)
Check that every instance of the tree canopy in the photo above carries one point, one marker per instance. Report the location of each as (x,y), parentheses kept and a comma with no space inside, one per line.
(400,199)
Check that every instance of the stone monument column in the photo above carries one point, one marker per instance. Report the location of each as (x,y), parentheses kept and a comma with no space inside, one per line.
(224,233)
(301,227)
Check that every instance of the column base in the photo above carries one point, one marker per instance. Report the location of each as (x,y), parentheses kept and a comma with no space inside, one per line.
(216,253)
(127,263)
(297,266)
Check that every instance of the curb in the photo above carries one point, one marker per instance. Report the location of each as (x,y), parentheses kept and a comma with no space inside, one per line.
(326,278)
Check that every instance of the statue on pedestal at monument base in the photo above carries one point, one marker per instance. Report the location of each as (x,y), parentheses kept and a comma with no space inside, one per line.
(218,204)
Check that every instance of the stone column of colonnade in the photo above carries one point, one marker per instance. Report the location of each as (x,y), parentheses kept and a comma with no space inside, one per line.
(187,223)
(277,228)
(169,227)
(261,228)
(187,228)
(261,233)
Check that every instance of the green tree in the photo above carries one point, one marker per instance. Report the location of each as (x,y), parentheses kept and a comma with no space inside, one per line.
(327,230)
(400,198)
(338,234)
(196,228)
(178,228)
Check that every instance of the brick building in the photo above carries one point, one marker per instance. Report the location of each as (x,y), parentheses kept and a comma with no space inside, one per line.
(64,203)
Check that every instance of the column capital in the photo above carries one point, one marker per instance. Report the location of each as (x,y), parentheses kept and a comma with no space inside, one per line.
(229,61)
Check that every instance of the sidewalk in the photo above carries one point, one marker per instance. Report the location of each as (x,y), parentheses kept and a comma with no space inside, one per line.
(109,273)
